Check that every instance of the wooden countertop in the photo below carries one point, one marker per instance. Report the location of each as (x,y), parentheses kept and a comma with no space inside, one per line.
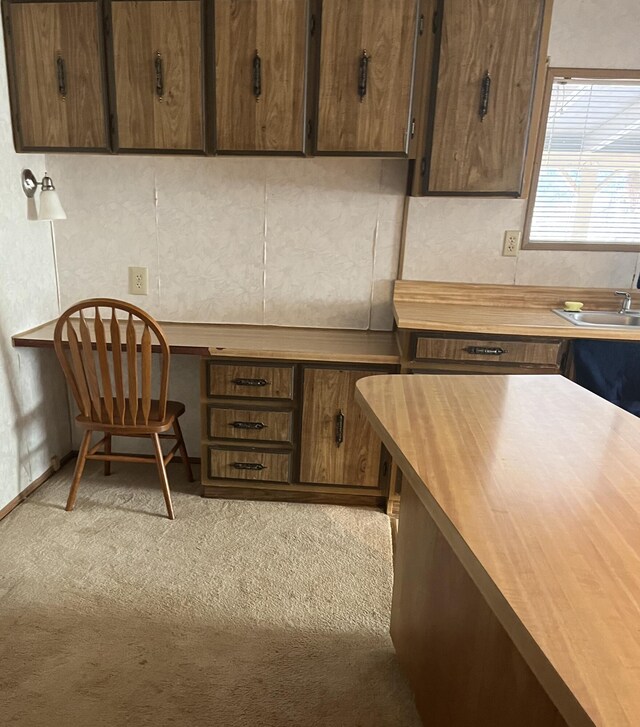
(229,341)
(502,310)
(535,483)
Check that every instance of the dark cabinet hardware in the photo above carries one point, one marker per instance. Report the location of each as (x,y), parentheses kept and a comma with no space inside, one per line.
(363,76)
(485,350)
(250,382)
(159,76)
(248,425)
(254,466)
(421,25)
(312,25)
(257,76)
(62,77)
(339,428)
(413,128)
(484,96)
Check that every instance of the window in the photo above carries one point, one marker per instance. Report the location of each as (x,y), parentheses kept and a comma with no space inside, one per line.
(587,194)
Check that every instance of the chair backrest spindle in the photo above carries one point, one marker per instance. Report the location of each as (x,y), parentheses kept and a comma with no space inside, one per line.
(132,369)
(118,382)
(103,359)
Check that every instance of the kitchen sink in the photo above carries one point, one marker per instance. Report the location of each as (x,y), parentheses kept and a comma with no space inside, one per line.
(601,318)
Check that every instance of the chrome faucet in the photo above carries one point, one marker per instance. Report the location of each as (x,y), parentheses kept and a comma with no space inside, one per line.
(626,303)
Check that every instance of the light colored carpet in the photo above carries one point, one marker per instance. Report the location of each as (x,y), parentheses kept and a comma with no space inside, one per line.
(236,613)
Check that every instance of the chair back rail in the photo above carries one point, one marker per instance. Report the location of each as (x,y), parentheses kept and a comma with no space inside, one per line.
(93,367)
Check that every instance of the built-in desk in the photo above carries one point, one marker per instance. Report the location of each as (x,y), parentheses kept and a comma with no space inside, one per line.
(263,342)
(277,414)
(517,578)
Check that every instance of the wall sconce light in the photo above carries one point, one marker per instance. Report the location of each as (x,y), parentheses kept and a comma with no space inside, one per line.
(50,207)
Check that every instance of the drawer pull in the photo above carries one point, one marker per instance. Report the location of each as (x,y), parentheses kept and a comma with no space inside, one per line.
(255,466)
(248,425)
(339,428)
(485,350)
(250,382)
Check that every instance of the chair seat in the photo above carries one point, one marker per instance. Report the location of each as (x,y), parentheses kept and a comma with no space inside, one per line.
(155,425)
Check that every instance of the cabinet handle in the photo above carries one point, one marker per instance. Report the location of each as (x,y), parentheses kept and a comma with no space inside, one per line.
(257,76)
(255,466)
(339,428)
(485,350)
(159,76)
(363,75)
(61,74)
(248,425)
(250,382)
(485,90)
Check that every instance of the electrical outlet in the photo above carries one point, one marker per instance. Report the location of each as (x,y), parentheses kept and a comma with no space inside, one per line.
(511,243)
(139,281)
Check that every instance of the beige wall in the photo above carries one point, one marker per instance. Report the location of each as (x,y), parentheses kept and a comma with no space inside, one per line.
(35,421)
(309,242)
(460,240)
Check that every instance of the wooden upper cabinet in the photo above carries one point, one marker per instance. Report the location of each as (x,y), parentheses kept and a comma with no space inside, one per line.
(261,60)
(57,77)
(367,53)
(158,74)
(487,69)
(338,445)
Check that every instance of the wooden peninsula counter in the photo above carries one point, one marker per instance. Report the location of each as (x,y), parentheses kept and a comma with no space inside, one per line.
(517,583)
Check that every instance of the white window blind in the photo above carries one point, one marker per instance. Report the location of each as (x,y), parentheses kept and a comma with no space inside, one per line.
(589,184)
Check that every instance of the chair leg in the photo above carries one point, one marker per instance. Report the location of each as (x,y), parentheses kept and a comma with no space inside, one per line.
(107,450)
(77,474)
(183,450)
(163,476)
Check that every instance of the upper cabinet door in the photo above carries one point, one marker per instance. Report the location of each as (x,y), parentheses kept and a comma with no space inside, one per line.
(158,74)
(488,63)
(261,59)
(366,76)
(56,71)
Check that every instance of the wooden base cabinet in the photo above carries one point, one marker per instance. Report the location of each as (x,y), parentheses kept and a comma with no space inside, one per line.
(338,445)
(289,431)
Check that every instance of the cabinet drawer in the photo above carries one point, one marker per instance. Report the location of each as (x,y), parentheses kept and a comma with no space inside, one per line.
(265,426)
(238,464)
(497,351)
(240,380)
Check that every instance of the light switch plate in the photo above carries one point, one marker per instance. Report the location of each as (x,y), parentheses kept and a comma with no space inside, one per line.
(139,281)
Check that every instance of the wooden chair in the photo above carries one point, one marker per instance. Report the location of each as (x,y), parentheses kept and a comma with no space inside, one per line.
(109,405)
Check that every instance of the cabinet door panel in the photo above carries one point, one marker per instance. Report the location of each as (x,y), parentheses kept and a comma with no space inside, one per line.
(275,31)
(157,47)
(59,75)
(356,462)
(379,121)
(471,153)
